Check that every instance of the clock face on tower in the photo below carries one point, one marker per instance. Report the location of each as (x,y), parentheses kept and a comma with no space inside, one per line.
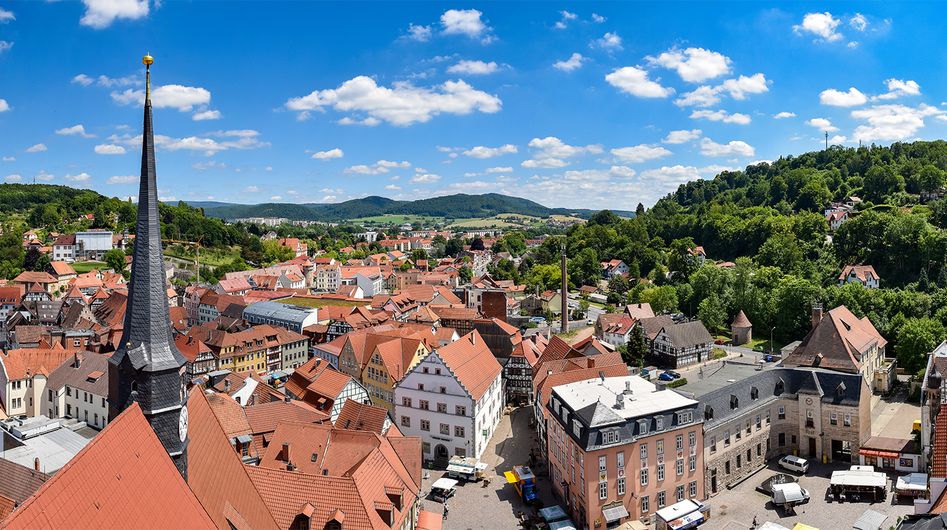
(182,424)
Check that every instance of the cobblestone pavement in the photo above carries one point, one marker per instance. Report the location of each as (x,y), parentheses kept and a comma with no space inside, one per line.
(493,504)
(735,509)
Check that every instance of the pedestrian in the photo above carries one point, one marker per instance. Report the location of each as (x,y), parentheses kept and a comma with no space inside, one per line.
(445,509)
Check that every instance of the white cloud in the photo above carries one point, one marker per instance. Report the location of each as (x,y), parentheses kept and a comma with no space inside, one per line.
(106,81)
(473,67)
(836,98)
(182,98)
(403,104)
(899,87)
(821,124)
(533,163)
(466,22)
(702,96)
(368,122)
(6,16)
(109,149)
(208,164)
(275,197)
(419,33)
(893,122)
(634,81)
(501,169)
(490,152)
(4,106)
(5,45)
(425,178)
(672,175)
(722,116)
(639,153)
(208,143)
(566,17)
(733,148)
(743,85)
(36,148)
(550,151)
(101,13)
(122,179)
(13,178)
(783,115)
(328,198)
(43,176)
(683,136)
(837,139)
(574,62)
(251,189)
(9,159)
(381,166)
(328,155)
(859,22)
(822,25)
(693,64)
(609,42)
(598,19)
(81,177)
(75,130)
(393,187)
(206,115)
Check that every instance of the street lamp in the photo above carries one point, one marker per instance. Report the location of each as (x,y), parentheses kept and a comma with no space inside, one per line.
(771,339)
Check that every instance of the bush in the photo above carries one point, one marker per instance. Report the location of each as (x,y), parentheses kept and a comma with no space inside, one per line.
(677,382)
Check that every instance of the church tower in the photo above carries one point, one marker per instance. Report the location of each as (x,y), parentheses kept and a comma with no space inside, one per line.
(147,368)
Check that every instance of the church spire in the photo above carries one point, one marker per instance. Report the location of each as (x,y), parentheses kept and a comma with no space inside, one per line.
(147,367)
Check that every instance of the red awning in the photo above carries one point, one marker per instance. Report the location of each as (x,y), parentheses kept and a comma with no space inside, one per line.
(879,454)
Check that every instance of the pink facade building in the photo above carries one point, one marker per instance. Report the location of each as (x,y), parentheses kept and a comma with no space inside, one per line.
(620,448)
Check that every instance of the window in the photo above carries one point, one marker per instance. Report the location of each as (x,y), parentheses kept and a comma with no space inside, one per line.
(679,442)
(437,371)
(662,499)
(445,429)
(423,404)
(443,390)
(759,423)
(693,489)
(406,401)
(713,444)
(576,428)
(442,408)
(603,490)
(660,471)
(461,410)
(739,461)
(601,465)
(645,504)
(659,446)
(420,386)
(686,417)
(460,451)
(734,401)
(680,466)
(68,390)
(810,421)
(781,413)
(726,467)
(621,486)
(726,439)
(692,439)
(620,460)
(643,426)
(754,393)
(660,425)
(458,431)
(644,454)
(425,425)
(405,421)
(644,476)
(833,419)
(848,420)
(680,493)
(759,449)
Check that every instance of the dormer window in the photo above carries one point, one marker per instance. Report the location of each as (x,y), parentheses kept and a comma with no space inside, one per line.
(734,401)
(643,427)
(754,393)
(780,387)
(708,413)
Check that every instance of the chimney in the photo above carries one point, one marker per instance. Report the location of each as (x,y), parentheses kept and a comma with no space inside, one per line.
(36,464)
(628,387)
(473,339)
(286,453)
(287,398)
(816,315)
(591,362)
(226,385)
(619,401)
(659,386)
(75,360)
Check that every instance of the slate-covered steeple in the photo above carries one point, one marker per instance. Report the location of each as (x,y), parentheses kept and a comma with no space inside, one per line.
(147,367)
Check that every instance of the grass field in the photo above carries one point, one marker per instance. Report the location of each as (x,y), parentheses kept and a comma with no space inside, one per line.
(321,302)
(85,266)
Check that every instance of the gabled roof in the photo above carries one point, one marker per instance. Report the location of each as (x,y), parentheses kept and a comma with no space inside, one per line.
(265,417)
(864,273)
(26,362)
(123,477)
(837,342)
(18,483)
(688,334)
(31,277)
(472,363)
(639,311)
(939,448)
(652,326)
(61,268)
(85,371)
(361,417)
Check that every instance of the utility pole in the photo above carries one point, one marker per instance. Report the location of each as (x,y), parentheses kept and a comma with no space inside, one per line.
(826,140)
(564,321)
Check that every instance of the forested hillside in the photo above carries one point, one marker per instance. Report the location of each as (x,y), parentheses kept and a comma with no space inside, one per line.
(769,220)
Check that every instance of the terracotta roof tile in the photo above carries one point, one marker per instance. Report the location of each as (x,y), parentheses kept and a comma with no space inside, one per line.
(23,362)
(135,485)
(18,483)
(472,363)
(265,417)
(361,417)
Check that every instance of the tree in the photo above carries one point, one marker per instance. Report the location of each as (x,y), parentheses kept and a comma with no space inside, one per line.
(930,178)
(273,252)
(639,210)
(585,268)
(917,337)
(711,312)
(662,298)
(453,247)
(477,244)
(466,274)
(636,348)
(881,181)
(115,259)
(32,258)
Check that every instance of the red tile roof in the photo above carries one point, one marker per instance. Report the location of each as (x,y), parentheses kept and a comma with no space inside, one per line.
(472,363)
(361,417)
(265,418)
(837,342)
(429,520)
(939,448)
(122,478)
(862,272)
(61,268)
(25,362)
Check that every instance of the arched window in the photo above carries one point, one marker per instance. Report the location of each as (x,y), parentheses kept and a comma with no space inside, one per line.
(754,393)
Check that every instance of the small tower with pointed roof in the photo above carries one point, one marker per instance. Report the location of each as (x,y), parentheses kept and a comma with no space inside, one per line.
(147,368)
(741,330)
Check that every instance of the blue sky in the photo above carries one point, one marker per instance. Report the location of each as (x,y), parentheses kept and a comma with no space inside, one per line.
(588,105)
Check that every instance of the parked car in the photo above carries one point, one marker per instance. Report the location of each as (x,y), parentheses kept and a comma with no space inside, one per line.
(794,463)
(538,320)
(673,374)
(789,495)
(665,377)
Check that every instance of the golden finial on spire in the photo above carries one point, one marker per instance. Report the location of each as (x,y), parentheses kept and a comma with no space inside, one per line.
(147,60)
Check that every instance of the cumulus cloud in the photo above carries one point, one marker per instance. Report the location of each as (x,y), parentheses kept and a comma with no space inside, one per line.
(822,124)
(836,98)
(4,106)
(13,178)
(208,143)
(329,154)
(425,178)
(419,33)
(403,104)
(693,64)
(381,166)
(122,179)
(899,87)
(5,45)
(43,176)
(206,115)
(182,98)
(466,22)
(633,80)
(682,137)
(598,19)
(822,25)
(109,149)
(738,88)
(6,16)
(490,152)
(574,62)
(783,115)
(743,85)
(550,152)
(893,122)
(608,42)
(639,153)
(36,148)
(473,67)
(100,14)
(566,17)
(251,189)
(81,177)
(702,96)
(721,116)
(501,169)
(75,130)
(732,148)
(858,22)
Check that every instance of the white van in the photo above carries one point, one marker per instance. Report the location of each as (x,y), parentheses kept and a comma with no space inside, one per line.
(794,463)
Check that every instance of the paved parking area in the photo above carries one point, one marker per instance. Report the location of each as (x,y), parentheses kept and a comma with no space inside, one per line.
(893,417)
(735,509)
(493,505)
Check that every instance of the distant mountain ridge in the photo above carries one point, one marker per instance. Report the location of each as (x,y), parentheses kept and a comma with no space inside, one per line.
(456,206)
